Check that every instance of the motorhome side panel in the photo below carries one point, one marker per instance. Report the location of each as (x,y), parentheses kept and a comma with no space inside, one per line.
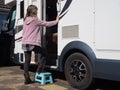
(107,31)
(77,23)
(96,24)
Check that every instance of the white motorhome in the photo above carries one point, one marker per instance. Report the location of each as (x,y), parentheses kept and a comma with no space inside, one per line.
(85,43)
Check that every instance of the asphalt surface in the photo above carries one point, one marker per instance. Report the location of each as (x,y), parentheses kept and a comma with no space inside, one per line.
(11,78)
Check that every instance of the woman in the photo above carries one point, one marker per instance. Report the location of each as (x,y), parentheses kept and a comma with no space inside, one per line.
(31,38)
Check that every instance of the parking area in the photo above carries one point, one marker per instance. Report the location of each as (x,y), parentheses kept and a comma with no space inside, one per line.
(11,78)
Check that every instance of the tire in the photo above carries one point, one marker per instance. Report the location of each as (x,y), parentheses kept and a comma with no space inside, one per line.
(78,71)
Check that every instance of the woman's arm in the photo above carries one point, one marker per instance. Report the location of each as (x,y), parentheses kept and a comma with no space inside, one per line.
(48,23)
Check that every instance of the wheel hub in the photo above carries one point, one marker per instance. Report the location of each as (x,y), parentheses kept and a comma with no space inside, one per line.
(78,70)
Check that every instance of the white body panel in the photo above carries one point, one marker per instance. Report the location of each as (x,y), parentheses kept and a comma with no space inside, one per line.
(82,18)
(18,48)
(107,29)
(98,22)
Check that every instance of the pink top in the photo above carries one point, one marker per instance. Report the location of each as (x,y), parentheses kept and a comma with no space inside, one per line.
(32,30)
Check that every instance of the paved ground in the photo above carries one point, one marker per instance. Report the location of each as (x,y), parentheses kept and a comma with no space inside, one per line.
(11,78)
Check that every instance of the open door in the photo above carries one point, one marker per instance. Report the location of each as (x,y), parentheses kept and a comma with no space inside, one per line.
(51,33)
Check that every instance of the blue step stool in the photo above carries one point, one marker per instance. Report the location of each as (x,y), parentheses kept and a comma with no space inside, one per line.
(43,78)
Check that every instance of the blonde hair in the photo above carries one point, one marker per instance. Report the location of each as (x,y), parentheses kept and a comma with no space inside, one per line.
(31,11)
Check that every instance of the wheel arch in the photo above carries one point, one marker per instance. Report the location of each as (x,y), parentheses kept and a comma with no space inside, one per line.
(77,46)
